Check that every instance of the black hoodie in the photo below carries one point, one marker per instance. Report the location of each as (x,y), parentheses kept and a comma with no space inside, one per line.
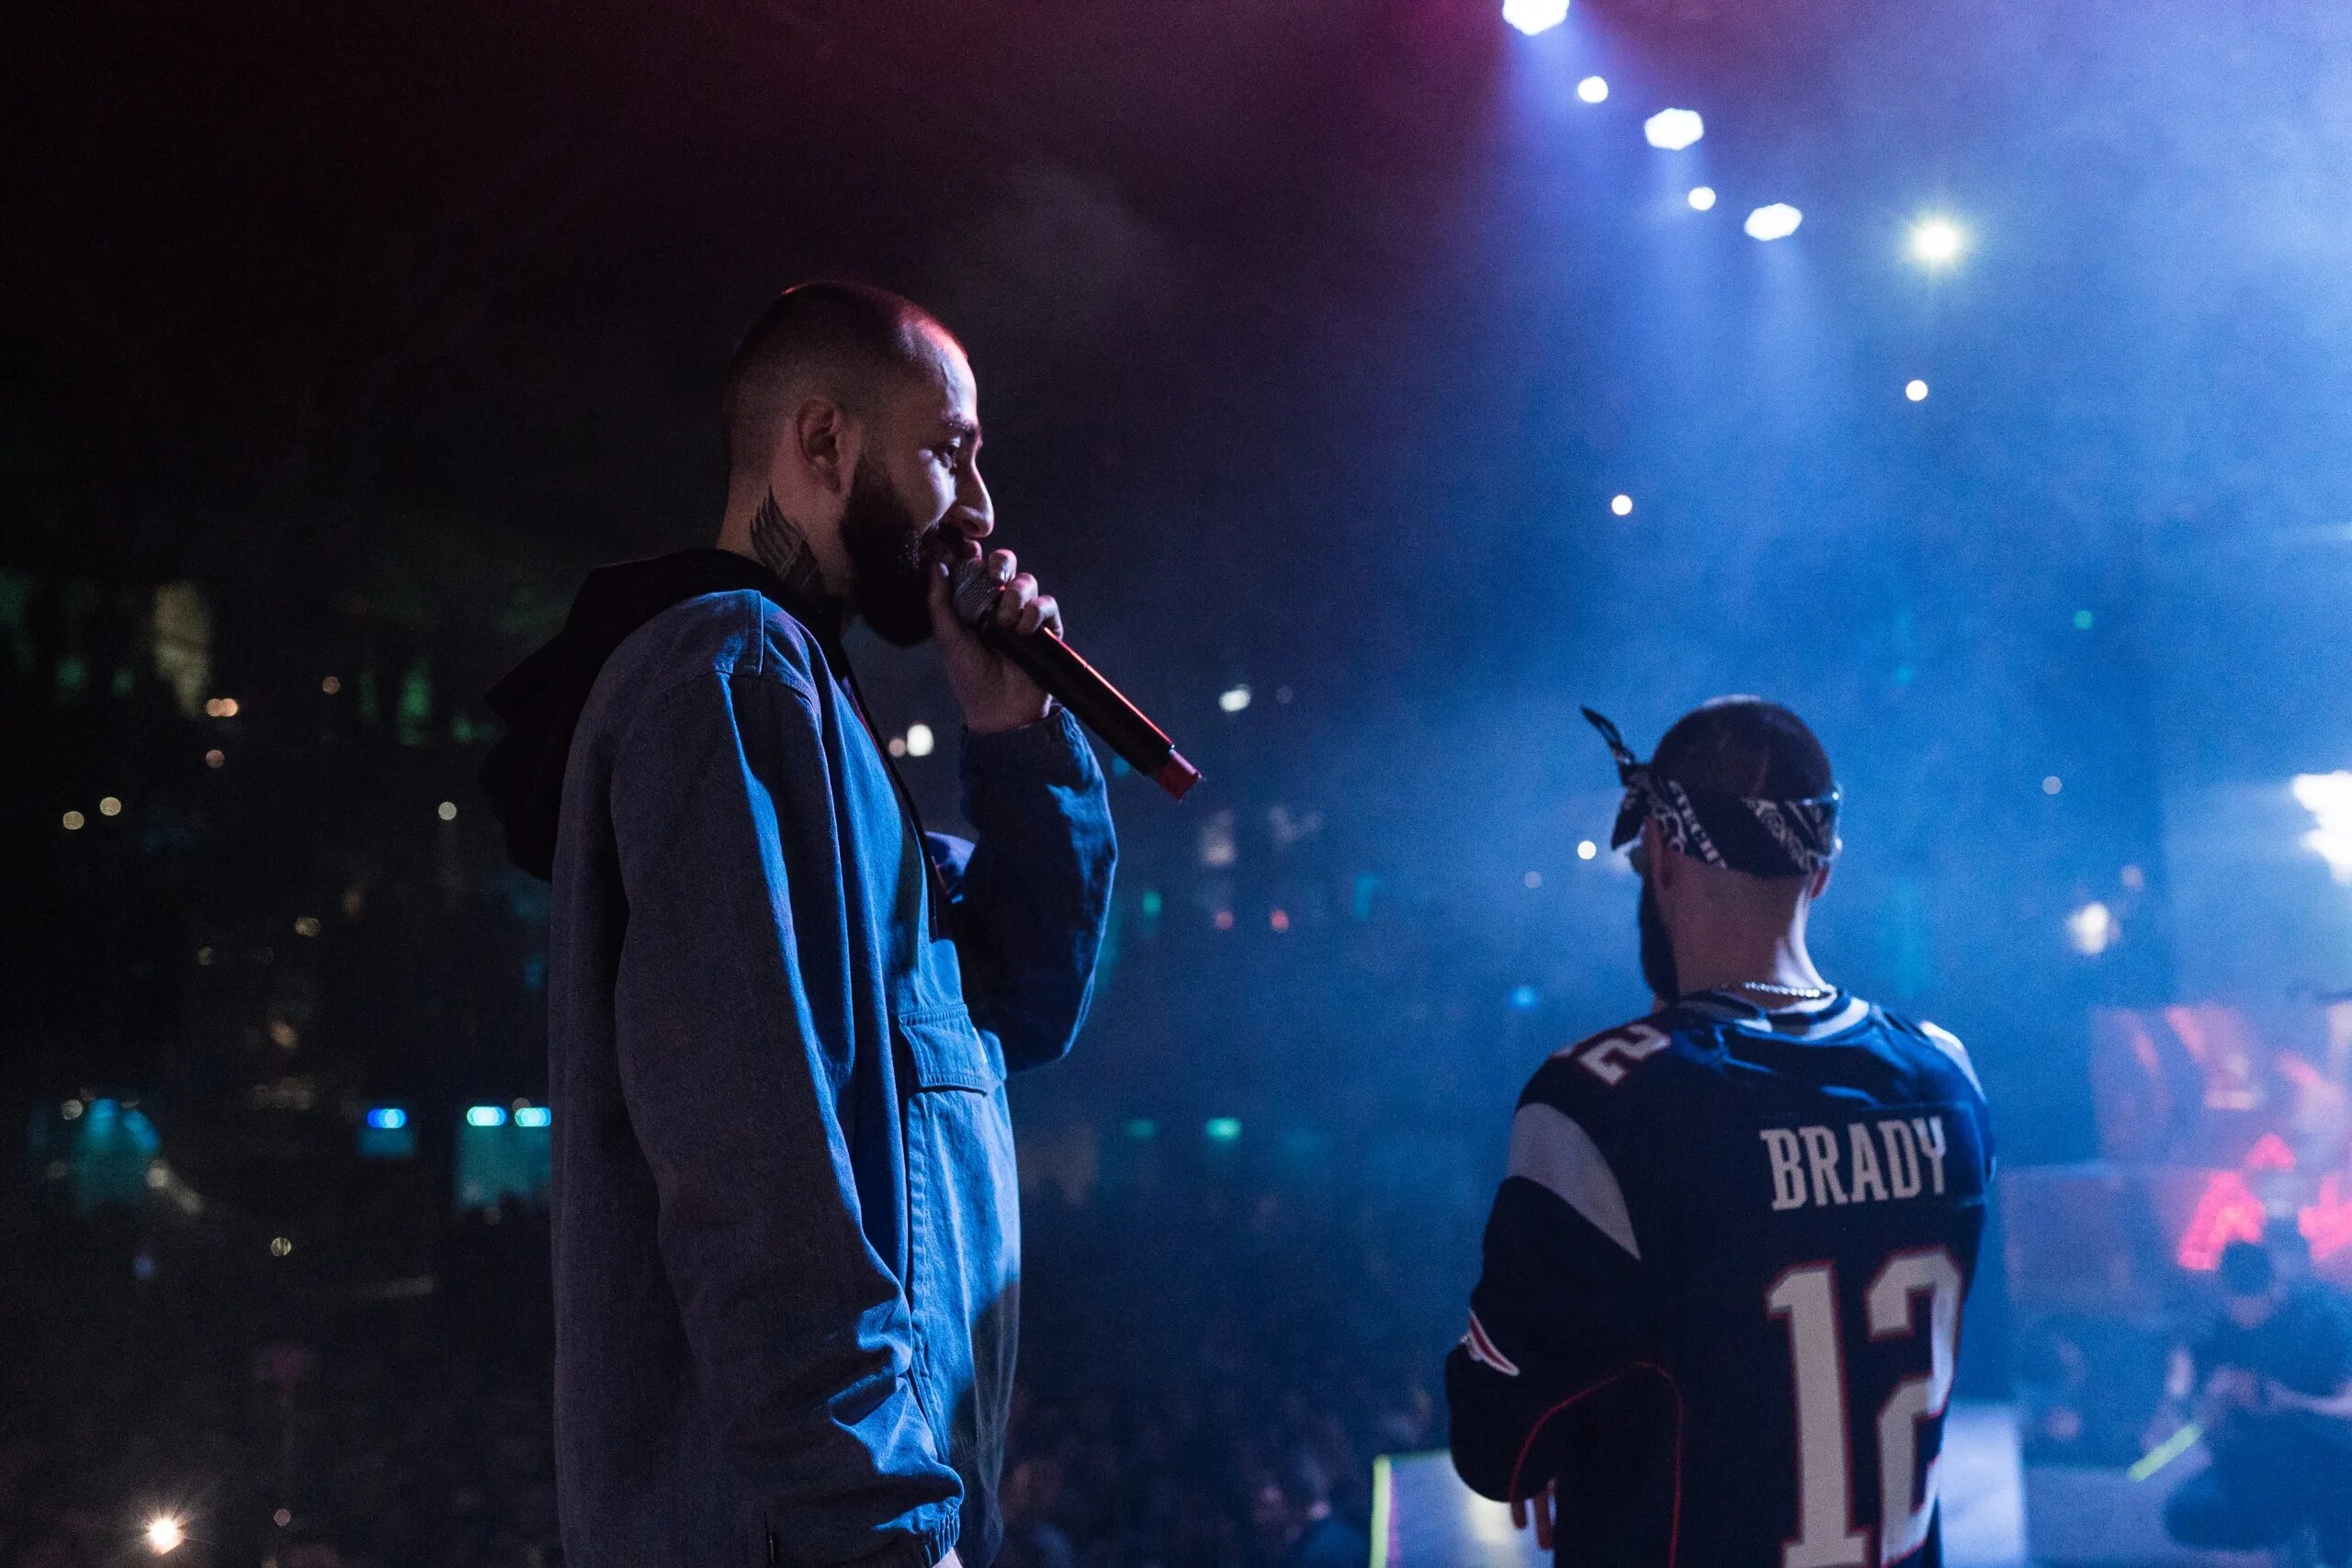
(542,697)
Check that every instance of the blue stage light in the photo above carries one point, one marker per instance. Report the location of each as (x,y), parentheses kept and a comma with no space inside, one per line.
(532,1116)
(387,1118)
(1593,89)
(1937,241)
(1777,220)
(1223,1130)
(1670,131)
(1525,998)
(1533,17)
(486,1116)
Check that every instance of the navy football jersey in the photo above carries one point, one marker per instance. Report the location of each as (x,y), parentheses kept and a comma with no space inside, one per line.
(1721,1290)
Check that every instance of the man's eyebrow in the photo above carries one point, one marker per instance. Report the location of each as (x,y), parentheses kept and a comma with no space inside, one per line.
(969,429)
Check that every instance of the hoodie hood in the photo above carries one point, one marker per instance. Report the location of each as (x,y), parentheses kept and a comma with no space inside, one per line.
(541,699)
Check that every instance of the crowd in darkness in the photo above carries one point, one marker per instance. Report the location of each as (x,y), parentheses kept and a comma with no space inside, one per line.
(1214,1398)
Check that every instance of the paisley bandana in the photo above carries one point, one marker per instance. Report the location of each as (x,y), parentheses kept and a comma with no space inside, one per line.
(1762,838)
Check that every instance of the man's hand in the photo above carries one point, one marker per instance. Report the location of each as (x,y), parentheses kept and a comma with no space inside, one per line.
(993,691)
(1539,1505)
(951,1559)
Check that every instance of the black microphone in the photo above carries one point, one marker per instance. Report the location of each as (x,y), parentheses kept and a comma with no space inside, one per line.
(1075,684)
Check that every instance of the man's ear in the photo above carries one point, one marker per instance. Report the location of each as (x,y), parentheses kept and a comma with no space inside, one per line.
(1820,881)
(1655,851)
(822,443)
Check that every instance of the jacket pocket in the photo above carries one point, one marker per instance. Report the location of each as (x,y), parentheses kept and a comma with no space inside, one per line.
(948,1053)
(964,1236)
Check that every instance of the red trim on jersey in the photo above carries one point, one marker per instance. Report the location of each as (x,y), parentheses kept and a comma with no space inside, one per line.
(1674,1522)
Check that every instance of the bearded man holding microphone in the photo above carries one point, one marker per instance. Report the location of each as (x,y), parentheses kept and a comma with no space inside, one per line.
(785,1210)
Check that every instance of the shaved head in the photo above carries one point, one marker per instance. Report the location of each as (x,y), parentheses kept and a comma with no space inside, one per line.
(847,343)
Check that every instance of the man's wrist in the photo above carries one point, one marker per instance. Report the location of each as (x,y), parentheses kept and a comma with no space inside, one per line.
(1004,724)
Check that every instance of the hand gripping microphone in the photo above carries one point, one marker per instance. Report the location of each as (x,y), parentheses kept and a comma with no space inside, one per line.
(1075,684)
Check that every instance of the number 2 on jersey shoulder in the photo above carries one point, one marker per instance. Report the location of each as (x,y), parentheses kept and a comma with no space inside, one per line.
(1608,1057)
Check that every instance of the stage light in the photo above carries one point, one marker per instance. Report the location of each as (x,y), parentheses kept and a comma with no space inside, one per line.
(1524,999)
(2083,620)
(1223,1129)
(165,1534)
(1233,699)
(75,822)
(111,806)
(1587,848)
(1142,1127)
(920,740)
(2133,878)
(71,1109)
(388,1118)
(1916,390)
(281,1246)
(446,811)
(2328,797)
(1776,221)
(534,1116)
(1279,920)
(2053,784)
(1702,198)
(486,1116)
(2091,929)
(1224,921)
(1593,89)
(1532,880)
(1533,17)
(1670,131)
(1151,904)
(215,757)
(331,685)
(1936,242)
(1622,505)
(897,745)
(306,925)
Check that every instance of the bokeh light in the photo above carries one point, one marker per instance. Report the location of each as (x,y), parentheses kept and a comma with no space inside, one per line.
(1593,89)
(1915,390)
(1937,241)
(1774,220)
(1533,17)
(1670,131)
(1622,505)
(1702,198)
(165,1534)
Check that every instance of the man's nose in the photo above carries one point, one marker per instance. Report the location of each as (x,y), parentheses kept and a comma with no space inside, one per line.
(974,514)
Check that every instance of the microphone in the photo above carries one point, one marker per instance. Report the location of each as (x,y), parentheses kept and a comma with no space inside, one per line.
(1073,682)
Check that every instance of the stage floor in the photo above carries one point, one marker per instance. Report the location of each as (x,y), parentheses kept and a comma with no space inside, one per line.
(1984,1488)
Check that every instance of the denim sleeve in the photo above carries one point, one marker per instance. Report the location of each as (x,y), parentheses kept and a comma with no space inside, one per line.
(737,1087)
(1036,891)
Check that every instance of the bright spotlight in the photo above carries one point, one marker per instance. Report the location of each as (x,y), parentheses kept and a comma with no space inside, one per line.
(486,1116)
(1592,89)
(2091,930)
(1233,699)
(1776,221)
(920,740)
(1916,390)
(1622,505)
(1533,17)
(1587,848)
(1702,198)
(165,1534)
(2328,797)
(1936,242)
(534,1116)
(1670,131)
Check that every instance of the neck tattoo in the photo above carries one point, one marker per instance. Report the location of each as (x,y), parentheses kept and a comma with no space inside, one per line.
(784,551)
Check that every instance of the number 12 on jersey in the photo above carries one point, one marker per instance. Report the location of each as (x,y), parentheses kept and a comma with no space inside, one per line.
(1806,1299)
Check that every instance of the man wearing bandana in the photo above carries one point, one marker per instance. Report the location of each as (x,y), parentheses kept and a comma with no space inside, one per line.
(1720,1304)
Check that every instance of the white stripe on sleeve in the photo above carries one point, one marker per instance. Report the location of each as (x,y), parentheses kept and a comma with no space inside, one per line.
(1548,1149)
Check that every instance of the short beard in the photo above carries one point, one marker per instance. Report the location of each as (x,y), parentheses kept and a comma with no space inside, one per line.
(888,554)
(1658,948)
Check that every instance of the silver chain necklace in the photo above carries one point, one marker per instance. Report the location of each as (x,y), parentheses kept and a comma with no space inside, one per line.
(1795,993)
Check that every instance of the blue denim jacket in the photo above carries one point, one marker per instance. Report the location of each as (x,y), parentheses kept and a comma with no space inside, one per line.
(787,1234)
